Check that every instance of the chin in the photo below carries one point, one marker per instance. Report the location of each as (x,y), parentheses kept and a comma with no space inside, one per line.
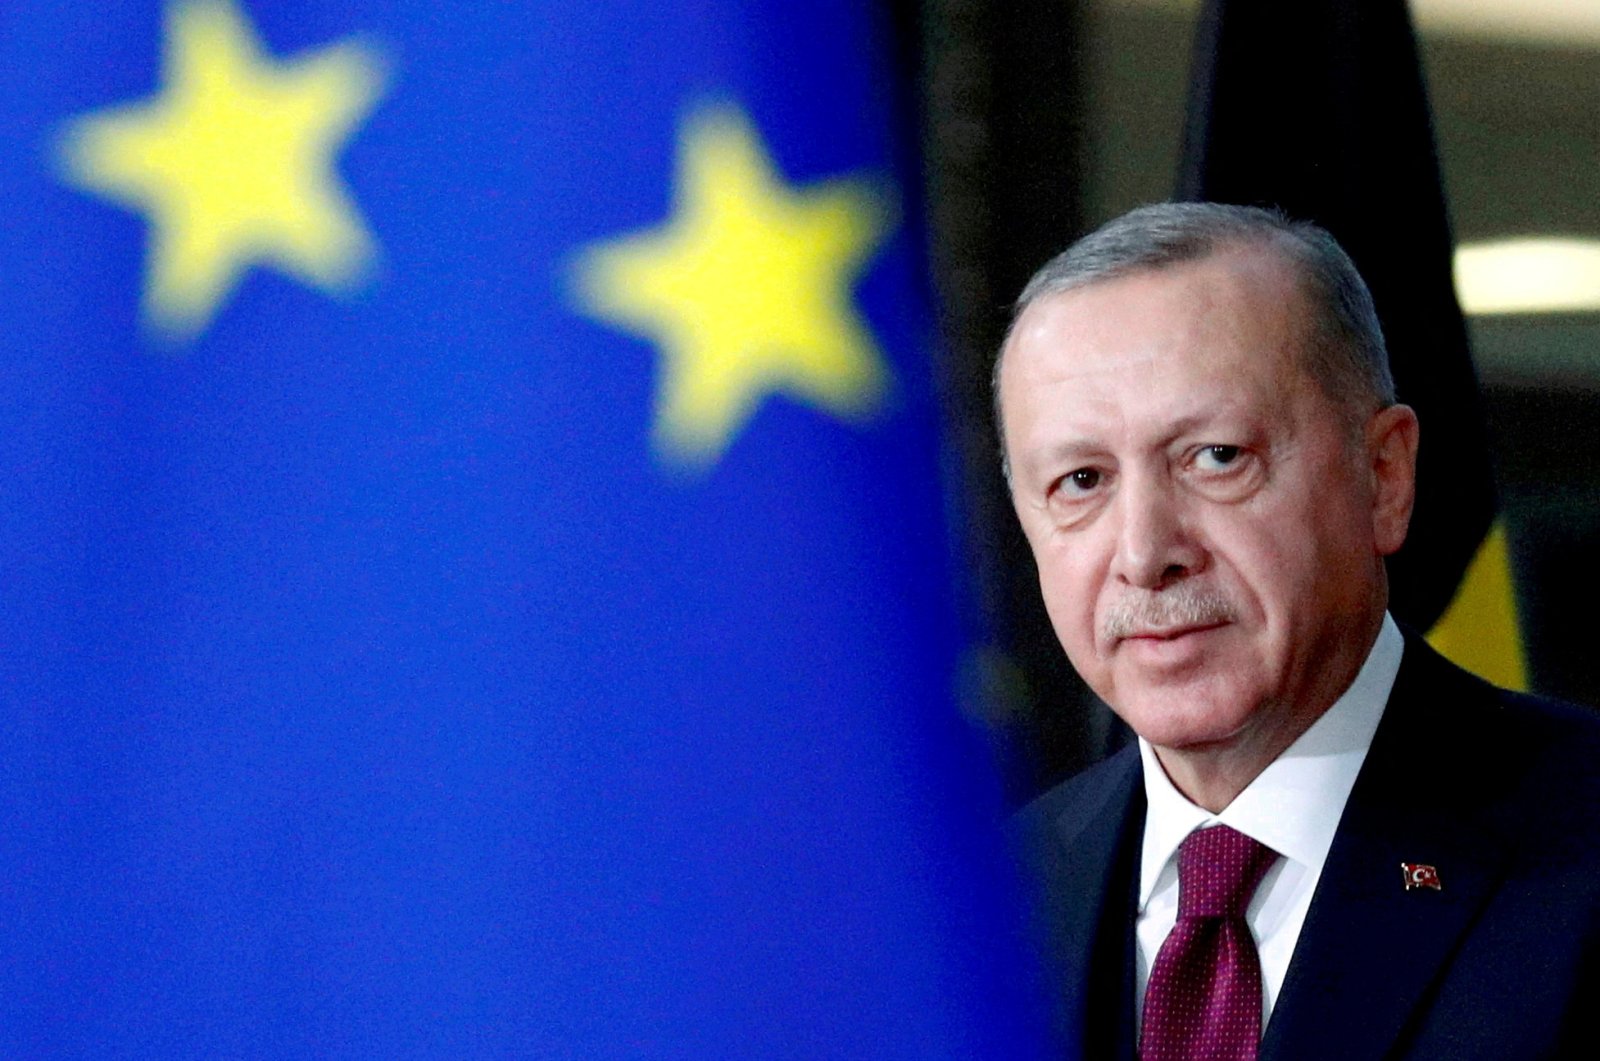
(1185,717)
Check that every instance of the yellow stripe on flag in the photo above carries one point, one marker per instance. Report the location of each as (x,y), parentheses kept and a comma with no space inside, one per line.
(1479,630)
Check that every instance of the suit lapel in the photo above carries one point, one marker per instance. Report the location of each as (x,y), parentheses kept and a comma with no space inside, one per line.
(1370,947)
(1086,846)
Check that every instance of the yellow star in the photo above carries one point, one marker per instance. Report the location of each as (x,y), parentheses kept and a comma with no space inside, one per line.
(746,290)
(232,163)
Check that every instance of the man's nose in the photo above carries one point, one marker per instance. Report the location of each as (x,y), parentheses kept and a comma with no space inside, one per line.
(1155,546)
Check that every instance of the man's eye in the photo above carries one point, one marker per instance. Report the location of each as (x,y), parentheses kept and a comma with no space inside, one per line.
(1216,458)
(1084,479)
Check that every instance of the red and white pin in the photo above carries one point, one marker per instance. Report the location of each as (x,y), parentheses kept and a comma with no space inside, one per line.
(1420,875)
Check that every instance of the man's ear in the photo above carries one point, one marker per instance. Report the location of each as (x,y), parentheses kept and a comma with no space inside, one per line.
(1392,449)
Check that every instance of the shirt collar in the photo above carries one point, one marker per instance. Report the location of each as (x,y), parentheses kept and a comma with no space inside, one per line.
(1294,805)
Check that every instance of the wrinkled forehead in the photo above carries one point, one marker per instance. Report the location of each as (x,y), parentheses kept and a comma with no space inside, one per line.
(1275,259)
(1239,316)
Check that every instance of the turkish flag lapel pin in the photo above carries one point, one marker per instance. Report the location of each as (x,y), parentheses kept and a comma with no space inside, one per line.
(1420,875)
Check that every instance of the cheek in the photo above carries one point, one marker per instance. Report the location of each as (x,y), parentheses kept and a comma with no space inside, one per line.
(1271,564)
(1070,581)
(1286,559)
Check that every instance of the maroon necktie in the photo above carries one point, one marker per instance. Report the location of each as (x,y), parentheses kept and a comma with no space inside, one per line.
(1204,995)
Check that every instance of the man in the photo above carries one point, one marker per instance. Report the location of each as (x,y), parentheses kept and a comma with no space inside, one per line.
(1328,841)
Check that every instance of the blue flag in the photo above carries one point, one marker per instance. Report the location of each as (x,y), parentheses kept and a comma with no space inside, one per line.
(476,580)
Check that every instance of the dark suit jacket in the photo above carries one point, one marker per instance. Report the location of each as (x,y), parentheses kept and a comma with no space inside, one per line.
(1500,792)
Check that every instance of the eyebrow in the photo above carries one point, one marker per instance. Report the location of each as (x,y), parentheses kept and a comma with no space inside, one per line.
(1185,425)
(1083,446)
(1035,463)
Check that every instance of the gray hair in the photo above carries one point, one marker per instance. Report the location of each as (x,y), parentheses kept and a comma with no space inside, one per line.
(1343,346)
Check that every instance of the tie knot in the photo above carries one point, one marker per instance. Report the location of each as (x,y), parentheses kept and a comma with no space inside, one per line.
(1218,870)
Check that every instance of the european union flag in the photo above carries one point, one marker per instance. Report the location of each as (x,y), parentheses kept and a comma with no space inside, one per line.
(476,580)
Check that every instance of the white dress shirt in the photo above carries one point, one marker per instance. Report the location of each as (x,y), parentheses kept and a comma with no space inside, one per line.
(1293,807)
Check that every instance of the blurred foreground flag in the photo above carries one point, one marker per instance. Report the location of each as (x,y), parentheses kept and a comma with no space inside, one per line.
(475,579)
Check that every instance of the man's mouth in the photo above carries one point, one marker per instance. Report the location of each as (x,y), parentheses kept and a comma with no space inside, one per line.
(1170,633)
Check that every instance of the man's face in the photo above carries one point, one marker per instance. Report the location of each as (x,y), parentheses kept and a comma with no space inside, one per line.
(1208,531)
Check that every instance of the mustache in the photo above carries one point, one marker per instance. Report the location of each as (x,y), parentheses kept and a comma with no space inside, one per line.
(1185,604)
